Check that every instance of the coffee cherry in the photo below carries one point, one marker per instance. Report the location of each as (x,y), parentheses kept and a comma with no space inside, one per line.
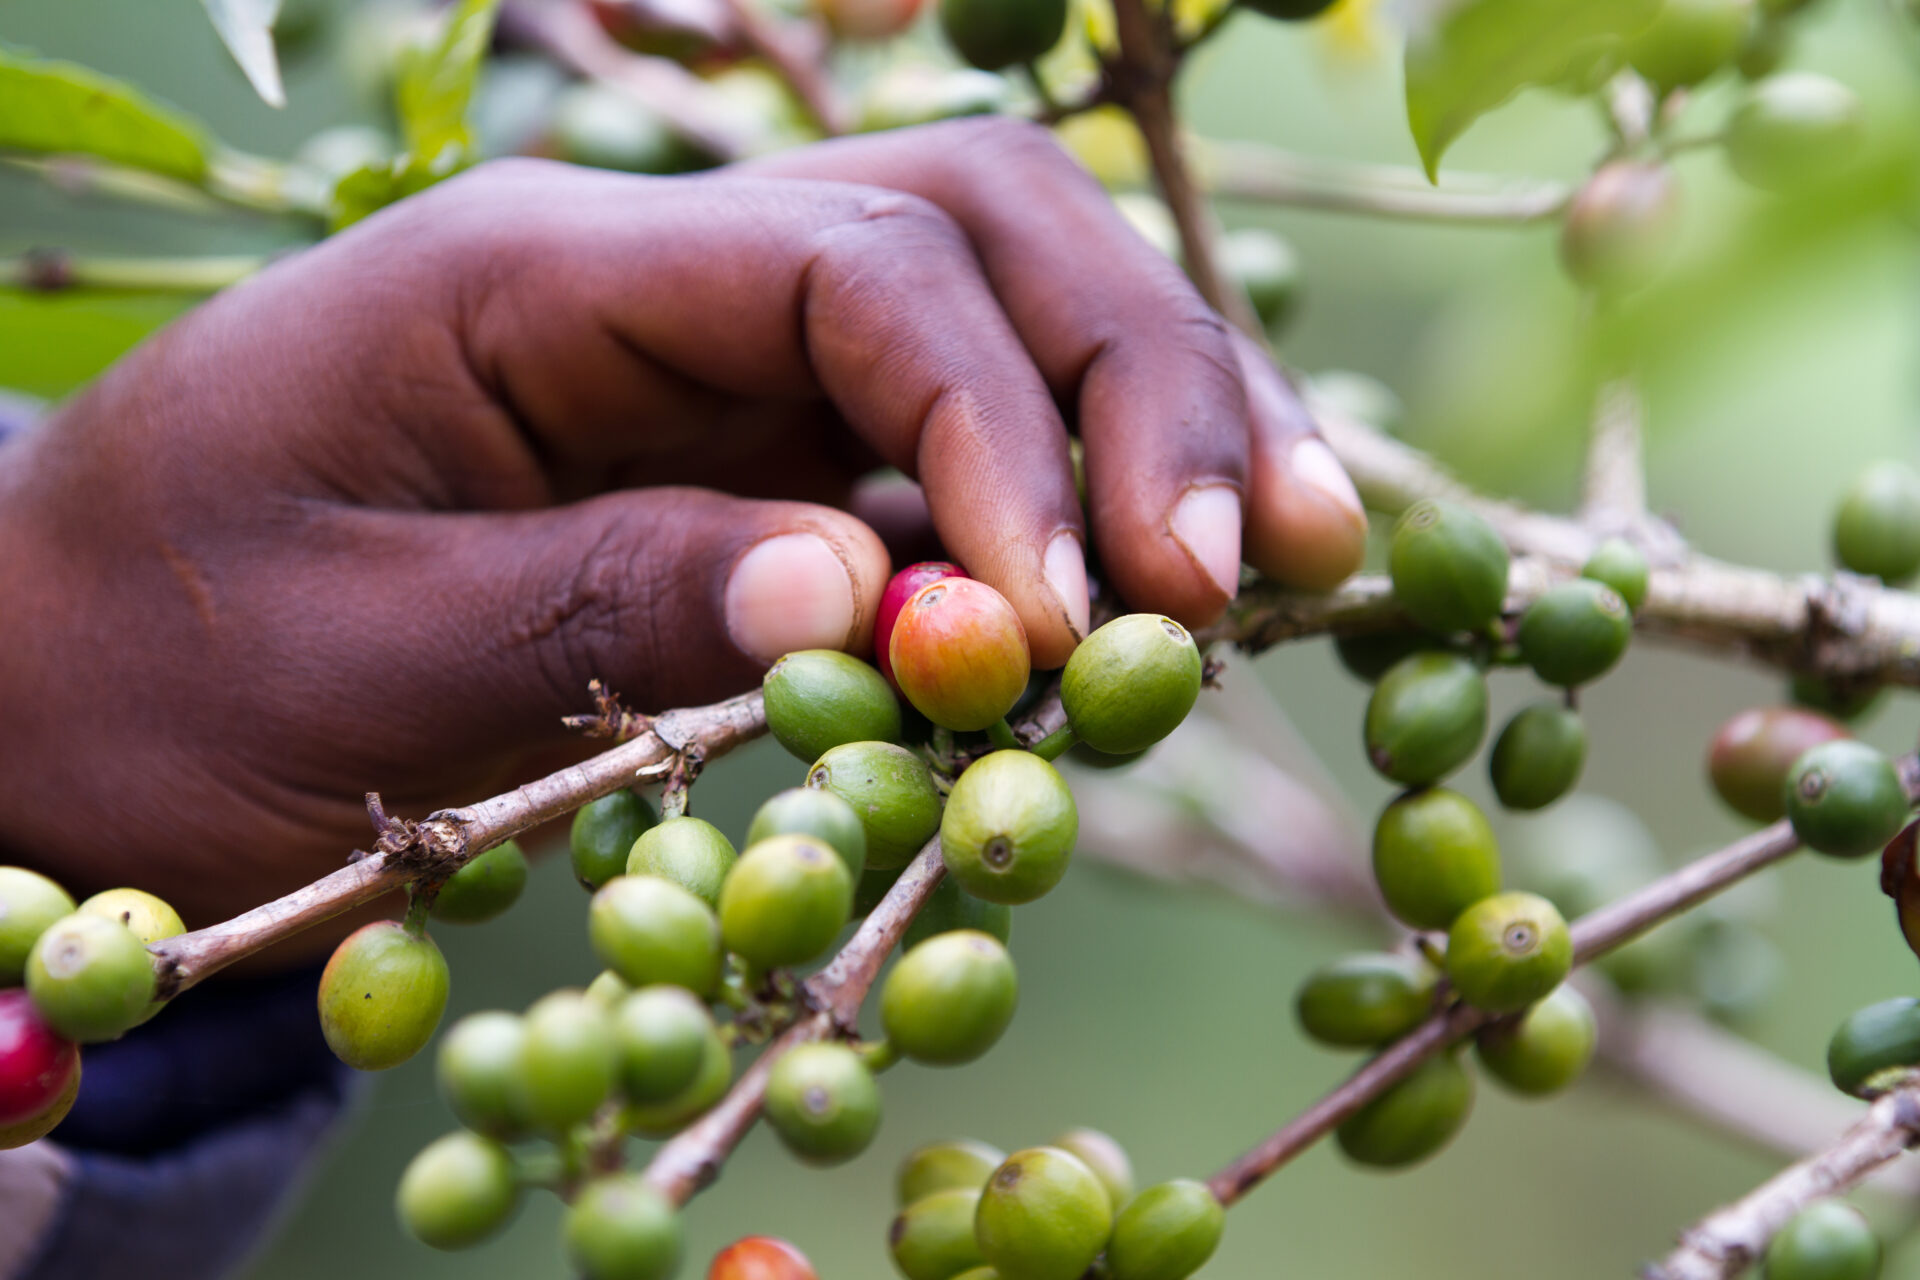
(659,1119)
(932,1238)
(979,1273)
(150,918)
(381,995)
(1876,1047)
(823,1103)
(29,902)
(867,20)
(1426,718)
(818,699)
(39,1125)
(1845,799)
(1507,951)
(484,888)
(761,1258)
(36,1064)
(619,1228)
(1167,1232)
(1545,1049)
(939,1166)
(1288,10)
(900,589)
(1368,657)
(568,1060)
(1689,40)
(992,34)
(1620,229)
(949,999)
(597,125)
(651,930)
(660,1035)
(785,901)
(1827,1240)
(1043,1216)
(1413,1119)
(1538,757)
(1131,683)
(1736,970)
(959,654)
(458,1191)
(1794,128)
(478,1068)
(1753,752)
(1265,268)
(91,979)
(951,909)
(1105,1156)
(688,852)
(1009,828)
(1767,46)
(1367,999)
(603,835)
(1844,700)
(1434,856)
(1449,567)
(1575,632)
(1877,528)
(803,811)
(891,791)
(1619,564)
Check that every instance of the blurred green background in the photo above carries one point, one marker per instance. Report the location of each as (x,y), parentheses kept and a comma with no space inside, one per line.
(1165,1017)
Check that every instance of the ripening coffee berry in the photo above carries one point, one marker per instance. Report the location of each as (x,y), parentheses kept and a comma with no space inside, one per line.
(952,908)
(932,1238)
(603,835)
(40,1124)
(1367,999)
(900,589)
(1266,269)
(568,1060)
(1507,951)
(686,851)
(1689,40)
(36,1064)
(803,811)
(1009,827)
(1449,567)
(1753,752)
(1827,1240)
(458,1191)
(949,999)
(1288,10)
(1876,1047)
(817,699)
(484,888)
(1433,857)
(1545,1049)
(1538,757)
(823,1103)
(761,1258)
(1426,718)
(1101,1153)
(866,20)
(150,918)
(651,930)
(1131,683)
(1876,531)
(659,1119)
(1620,228)
(1043,1216)
(1368,657)
(661,1037)
(785,901)
(939,1166)
(29,902)
(478,1068)
(381,995)
(1167,1232)
(994,34)
(1794,128)
(891,791)
(959,654)
(90,978)
(1575,632)
(619,1228)
(1619,564)
(1845,799)
(1413,1119)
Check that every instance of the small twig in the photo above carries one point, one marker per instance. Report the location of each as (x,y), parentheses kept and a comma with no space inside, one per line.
(803,69)
(57,271)
(1614,498)
(1259,174)
(610,718)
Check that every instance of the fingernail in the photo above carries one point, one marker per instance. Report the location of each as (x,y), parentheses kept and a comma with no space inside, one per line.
(1206,522)
(789,592)
(1314,466)
(1066,570)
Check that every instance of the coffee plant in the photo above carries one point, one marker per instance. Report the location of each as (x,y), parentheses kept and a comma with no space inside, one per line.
(925,806)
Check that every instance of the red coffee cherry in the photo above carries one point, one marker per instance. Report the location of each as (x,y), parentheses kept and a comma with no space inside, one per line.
(900,589)
(959,654)
(761,1258)
(1752,753)
(36,1065)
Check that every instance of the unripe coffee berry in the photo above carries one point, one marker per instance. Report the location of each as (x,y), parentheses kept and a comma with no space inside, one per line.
(1753,752)
(1689,40)
(817,699)
(1538,757)
(478,1068)
(1507,951)
(823,1103)
(91,978)
(1619,564)
(939,1166)
(484,888)
(1827,1240)
(1368,657)
(619,1228)
(1433,857)
(949,999)
(36,1064)
(1104,1155)
(1288,10)
(690,852)
(1167,1232)
(959,654)
(1545,1049)
(603,834)
(891,791)
(458,1191)
(952,908)
(1845,799)
(651,930)
(1620,228)
(932,1238)
(661,1037)
(1043,1216)
(1009,828)
(785,901)
(568,1060)
(1426,718)
(382,995)
(150,918)
(1131,683)
(659,1119)
(804,811)
(1876,1047)
(1575,632)
(1794,128)
(1877,528)
(1411,1120)
(761,1258)
(1366,1000)
(900,589)
(994,34)
(1449,567)
(29,902)
(1845,700)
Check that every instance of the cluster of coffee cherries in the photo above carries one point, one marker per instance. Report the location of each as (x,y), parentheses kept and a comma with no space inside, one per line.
(702,943)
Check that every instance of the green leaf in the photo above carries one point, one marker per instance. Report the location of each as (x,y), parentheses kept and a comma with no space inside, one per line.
(372,188)
(56,108)
(246,28)
(1468,57)
(437,82)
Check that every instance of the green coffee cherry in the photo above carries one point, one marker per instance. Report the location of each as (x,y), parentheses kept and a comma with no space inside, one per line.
(803,811)
(1267,270)
(892,792)
(651,930)
(1766,48)
(1426,718)
(952,908)
(932,1238)
(1538,757)
(1736,970)
(484,888)
(660,1035)
(1009,828)
(1413,1119)
(1434,856)
(1545,1049)
(785,902)
(478,1069)
(659,1119)
(1368,657)
(1753,752)
(1167,1232)
(1619,564)
(1689,40)
(603,835)
(1827,1240)
(150,918)
(1876,1047)
(1845,799)
(1101,1153)
(1449,567)
(381,995)
(29,902)
(1131,683)
(949,999)
(1575,632)
(619,1228)
(1043,1216)
(597,125)
(687,851)
(1793,129)
(458,1191)
(568,1060)
(993,34)
(823,1103)
(1844,700)
(92,980)
(1877,528)
(940,1166)
(1367,999)
(1288,10)
(979,1273)
(1507,951)
(818,699)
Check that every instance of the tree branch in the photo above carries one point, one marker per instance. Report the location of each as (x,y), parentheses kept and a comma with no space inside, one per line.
(1614,498)
(57,271)
(803,69)
(1259,174)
